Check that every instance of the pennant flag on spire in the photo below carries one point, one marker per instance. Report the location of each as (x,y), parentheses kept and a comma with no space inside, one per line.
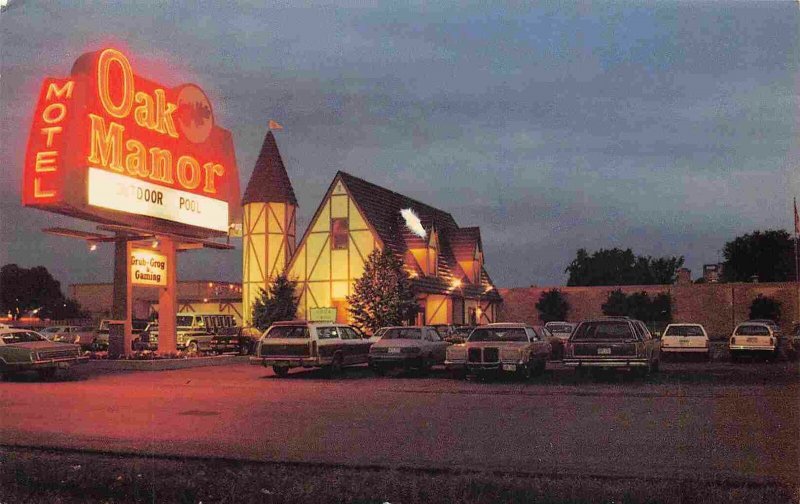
(274,126)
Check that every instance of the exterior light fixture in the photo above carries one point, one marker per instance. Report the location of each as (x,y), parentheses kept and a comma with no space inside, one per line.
(211,284)
(155,243)
(205,300)
(456,283)
(92,247)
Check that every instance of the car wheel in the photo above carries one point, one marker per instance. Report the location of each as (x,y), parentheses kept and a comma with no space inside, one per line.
(336,366)
(47,373)
(525,372)
(377,369)
(656,366)
(581,372)
(280,371)
(458,374)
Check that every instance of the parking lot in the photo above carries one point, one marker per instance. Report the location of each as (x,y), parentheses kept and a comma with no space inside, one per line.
(692,420)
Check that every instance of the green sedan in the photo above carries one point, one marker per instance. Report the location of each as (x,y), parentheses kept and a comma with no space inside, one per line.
(23,350)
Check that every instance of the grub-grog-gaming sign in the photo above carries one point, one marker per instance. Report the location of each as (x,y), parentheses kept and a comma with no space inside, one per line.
(111,146)
(148,268)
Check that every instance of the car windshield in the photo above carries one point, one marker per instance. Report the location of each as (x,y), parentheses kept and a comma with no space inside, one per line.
(21,337)
(185,320)
(498,334)
(298,332)
(684,330)
(603,330)
(752,330)
(559,328)
(402,333)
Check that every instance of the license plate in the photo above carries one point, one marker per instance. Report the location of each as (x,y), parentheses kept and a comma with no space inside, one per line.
(509,367)
(603,351)
(684,342)
(752,340)
(394,350)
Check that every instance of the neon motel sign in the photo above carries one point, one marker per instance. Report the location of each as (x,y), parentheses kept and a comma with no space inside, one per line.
(111,146)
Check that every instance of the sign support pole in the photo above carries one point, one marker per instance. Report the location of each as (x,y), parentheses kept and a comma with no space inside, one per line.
(128,337)
(122,308)
(167,298)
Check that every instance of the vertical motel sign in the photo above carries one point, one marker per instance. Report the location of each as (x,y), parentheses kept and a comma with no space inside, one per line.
(111,146)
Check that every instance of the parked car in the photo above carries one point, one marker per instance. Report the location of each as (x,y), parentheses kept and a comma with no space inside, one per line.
(793,345)
(102,335)
(84,336)
(286,345)
(753,338)
(248,339)
(23,350)
(503,347)
(458,335)
(685,339)
(560,334)
(50,332)
(613,343)
(446,331)
(417,347)
(187,339)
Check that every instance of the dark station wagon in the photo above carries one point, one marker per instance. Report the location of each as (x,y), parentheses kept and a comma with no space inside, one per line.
(613,343)
(287,345)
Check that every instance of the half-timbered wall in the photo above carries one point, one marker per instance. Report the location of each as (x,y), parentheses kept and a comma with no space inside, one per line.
(268,242)
(326,271)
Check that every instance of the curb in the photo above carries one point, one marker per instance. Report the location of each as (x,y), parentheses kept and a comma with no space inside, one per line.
(164,364)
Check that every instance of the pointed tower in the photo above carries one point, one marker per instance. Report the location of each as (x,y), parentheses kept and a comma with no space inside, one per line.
(269,208)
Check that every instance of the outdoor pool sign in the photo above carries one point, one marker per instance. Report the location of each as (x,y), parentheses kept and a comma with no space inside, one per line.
(148,268)
(111,146)
(327,315)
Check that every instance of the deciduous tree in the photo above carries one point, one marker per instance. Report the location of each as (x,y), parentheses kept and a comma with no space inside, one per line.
(621,267)
(765,307)
(769,255)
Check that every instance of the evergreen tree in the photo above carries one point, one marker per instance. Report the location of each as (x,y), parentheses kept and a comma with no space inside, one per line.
(280,303)
(383,295)
(552,306)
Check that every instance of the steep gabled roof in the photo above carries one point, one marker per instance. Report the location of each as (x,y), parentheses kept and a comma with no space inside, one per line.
(269,181)
(381,207)
(463,242)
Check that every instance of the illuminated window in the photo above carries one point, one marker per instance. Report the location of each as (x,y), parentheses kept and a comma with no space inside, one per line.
(339,233)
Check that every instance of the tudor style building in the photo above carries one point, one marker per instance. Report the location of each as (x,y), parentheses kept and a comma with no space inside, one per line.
(355,217)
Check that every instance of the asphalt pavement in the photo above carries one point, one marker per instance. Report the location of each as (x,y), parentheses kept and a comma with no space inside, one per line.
(709,421)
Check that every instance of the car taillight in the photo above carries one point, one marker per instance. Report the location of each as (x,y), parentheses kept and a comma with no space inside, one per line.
(733,341)
(313,348)
(772,341)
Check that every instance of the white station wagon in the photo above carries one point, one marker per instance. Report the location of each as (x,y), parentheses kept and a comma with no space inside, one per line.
(753,338)
(685,338)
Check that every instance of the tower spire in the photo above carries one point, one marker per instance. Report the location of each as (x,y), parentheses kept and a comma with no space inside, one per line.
(268,224)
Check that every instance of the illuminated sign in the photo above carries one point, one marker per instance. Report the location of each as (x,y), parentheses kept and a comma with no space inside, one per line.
(111,146)
(148,268)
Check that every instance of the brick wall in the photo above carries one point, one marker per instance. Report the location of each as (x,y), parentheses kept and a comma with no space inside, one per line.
(719,307)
